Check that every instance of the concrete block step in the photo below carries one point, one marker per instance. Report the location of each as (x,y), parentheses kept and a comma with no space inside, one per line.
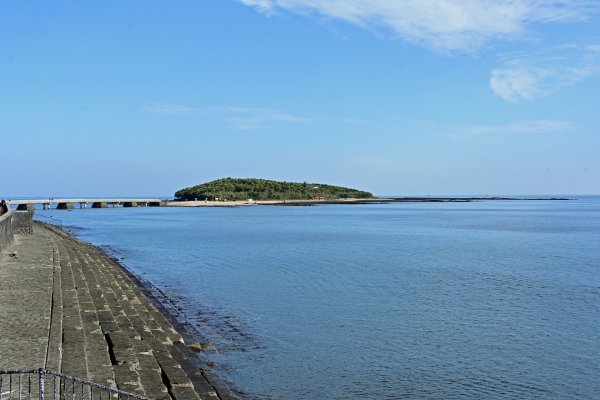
(113,334)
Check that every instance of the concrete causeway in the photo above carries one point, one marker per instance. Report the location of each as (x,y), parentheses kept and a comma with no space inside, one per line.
(66,204)
(66,306)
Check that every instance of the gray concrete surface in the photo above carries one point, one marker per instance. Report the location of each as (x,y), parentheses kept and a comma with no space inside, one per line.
(26,301)
(6,231)
(67,306)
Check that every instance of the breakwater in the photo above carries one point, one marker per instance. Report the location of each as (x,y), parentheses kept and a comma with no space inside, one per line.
(74,309)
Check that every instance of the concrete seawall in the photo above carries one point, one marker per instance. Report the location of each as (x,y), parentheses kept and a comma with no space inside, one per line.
(69,307)
(6,231)
(22,222)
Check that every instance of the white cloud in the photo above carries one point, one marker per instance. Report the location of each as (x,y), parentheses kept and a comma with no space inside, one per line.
(444,25)
(255,118)
(594,48)
(242,118)
(544,126)
(263,5)
(517,81)
(525,77)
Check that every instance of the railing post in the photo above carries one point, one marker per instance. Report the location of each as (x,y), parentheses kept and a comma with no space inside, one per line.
(61,390)
(41,370)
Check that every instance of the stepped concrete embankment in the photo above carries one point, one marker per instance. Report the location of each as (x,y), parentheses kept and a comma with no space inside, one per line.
(67,306)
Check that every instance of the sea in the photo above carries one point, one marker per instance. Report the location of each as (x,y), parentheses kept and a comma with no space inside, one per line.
(478,300)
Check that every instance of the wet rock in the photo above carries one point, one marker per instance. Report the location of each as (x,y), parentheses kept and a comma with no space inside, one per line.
(178,341)
(196,347)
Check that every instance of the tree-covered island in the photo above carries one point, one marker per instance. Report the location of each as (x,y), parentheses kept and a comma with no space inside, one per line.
(263,189)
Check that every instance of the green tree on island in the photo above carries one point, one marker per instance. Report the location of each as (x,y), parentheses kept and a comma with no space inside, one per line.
(263,189)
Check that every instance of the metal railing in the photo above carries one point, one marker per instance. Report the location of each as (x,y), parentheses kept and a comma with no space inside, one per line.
(43,384)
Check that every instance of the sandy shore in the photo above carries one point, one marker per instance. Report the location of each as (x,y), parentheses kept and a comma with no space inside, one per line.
(377,200)
(240,203)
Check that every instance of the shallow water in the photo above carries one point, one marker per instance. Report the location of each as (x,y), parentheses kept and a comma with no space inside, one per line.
(495,300)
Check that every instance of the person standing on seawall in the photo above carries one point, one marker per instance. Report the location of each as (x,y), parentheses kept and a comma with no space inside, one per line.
(3,207)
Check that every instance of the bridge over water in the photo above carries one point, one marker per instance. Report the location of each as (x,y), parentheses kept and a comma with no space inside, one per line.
(66,204)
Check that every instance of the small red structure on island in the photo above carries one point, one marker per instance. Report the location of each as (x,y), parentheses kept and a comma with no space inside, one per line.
(319,197)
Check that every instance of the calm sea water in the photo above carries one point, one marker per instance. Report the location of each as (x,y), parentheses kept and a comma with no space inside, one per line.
(486,300)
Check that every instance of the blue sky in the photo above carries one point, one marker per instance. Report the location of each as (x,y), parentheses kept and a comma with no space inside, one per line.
(409,97)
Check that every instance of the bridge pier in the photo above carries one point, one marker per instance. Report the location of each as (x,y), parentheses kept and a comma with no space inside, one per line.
(64,206)
(67,203)
(26,207)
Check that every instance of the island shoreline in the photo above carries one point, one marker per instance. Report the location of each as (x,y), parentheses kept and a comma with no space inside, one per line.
(350,201)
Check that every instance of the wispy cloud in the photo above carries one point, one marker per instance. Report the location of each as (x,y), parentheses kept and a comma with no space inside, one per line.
(444,25)
(594,48)
(242,118)
(254,118)
(528,76)
(544,126)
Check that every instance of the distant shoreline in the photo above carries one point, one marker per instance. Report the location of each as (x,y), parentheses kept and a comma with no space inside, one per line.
(382,200)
